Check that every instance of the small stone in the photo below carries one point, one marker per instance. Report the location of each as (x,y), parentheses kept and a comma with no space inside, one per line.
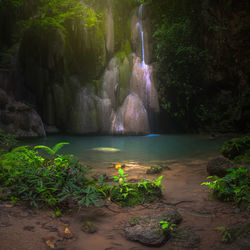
(51,228)
(29,228)
(89,227)
(154,170)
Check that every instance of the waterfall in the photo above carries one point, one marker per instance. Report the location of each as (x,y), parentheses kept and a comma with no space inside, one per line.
(128,100)
(143,65)
(143,73)
(139,24)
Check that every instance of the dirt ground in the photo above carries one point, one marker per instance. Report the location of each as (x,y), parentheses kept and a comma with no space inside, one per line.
(23,228)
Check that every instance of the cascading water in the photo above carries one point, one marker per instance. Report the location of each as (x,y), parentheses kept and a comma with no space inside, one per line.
(128,100)
(139,24)
(151,98)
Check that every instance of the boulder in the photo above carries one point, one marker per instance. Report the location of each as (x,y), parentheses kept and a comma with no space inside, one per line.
(89,227)
(219,166)
(132,117)
(19,119)
(147,229)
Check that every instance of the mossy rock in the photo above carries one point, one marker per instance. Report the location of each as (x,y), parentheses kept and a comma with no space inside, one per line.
(89,227)
(156,169)
(219,166)
(236,147)
(148,230)
(130,195)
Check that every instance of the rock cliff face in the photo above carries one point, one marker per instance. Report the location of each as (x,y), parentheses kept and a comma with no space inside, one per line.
(102,79)
(83,83)
(18,118)
(82,86)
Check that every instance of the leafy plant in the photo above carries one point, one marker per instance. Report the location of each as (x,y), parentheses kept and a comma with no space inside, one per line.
(7,140)
(27,176)
(166,225)
(236,147)
(226,236)
(178,57)
(235,186)
(129,194)
(52,151)
(220,228)
(121,178)
(55,14)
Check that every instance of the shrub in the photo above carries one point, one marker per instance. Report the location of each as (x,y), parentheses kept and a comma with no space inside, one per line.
(236,147)
(235,186)
(132,194)
(7,140)
(27,176)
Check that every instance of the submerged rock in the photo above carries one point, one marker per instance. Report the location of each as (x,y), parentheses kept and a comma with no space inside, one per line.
(219,166)
(147,229)
(107,150)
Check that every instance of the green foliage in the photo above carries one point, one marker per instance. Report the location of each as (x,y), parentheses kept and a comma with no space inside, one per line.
(165,225)
(52,151)
(7,140)
(128,194)
(27,176)
(236,147)
(55,14)
(180,58)
(125,52)
(235,186)
(11,3)
(243,159)
(240,232)
(121,178)
(179,61)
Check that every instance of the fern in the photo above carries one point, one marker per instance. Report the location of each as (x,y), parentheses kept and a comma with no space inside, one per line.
(51,151)
(58,146)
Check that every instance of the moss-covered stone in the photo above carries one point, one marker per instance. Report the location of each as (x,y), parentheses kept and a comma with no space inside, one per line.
(156,169)
(89,227)
(148,230)
(218,166)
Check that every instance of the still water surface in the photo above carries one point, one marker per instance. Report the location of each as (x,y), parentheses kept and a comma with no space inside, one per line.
(134,148)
